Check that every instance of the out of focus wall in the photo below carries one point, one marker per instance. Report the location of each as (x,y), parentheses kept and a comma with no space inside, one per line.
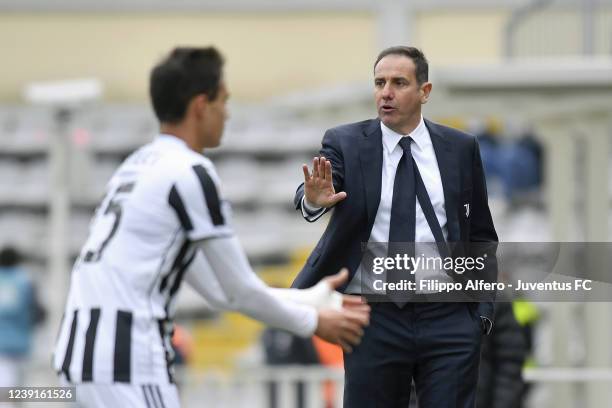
(461,36)
(267,54)
(559,33)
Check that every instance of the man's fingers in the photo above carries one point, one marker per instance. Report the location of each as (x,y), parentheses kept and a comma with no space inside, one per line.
(338,197)
(352,329)
(359,308)
(328,171)
(315,167)
(353,301)
(351,338)
(345,347)
(306,171)
(322,162)
(361,318)
(338,279)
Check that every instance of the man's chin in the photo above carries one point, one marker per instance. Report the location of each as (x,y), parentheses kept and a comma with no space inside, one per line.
(212,144)
(387,120)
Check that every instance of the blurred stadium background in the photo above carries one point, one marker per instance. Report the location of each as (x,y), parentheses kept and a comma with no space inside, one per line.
(533,78)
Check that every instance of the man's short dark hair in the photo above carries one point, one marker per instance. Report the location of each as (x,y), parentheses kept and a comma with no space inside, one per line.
(185,73)
(416,55)
(9,257)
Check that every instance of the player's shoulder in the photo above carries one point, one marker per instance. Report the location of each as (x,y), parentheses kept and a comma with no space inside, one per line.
(180,162)
(187,158)
(194,174)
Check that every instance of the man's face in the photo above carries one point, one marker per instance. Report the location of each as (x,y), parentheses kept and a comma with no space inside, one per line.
(214,117)
(397,94)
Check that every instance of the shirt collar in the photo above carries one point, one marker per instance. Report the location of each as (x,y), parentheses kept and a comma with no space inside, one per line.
(171,140)
(391,138)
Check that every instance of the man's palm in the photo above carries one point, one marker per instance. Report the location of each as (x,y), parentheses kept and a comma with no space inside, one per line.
(318,186)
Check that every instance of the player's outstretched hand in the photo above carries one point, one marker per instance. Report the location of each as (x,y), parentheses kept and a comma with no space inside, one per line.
(348,301)
(318,186)
(344,326)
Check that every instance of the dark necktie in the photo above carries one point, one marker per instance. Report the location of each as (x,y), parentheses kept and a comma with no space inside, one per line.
(403,220)
(407,187)
(403,207)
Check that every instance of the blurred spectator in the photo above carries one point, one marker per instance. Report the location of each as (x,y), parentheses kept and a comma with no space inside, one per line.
(283,348)
(330,355)
(19,312)
(500,383)
(515,162)
(182,347)
(527,315)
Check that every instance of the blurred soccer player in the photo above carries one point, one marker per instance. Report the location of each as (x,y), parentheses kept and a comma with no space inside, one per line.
(20,311)
(164,220)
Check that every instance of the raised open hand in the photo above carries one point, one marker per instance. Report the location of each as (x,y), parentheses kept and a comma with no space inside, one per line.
(318,186)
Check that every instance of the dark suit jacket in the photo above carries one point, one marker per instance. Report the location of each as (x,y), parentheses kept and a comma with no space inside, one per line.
(356,153)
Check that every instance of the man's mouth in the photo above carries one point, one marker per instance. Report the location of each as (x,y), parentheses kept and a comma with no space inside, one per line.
(387,108)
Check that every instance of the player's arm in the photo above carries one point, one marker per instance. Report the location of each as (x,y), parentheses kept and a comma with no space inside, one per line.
(322,295)
(243,291)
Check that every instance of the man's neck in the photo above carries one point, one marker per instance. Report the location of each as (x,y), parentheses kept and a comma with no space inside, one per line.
(183,132)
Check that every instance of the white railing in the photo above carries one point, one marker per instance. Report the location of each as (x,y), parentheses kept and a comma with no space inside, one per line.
(250,388)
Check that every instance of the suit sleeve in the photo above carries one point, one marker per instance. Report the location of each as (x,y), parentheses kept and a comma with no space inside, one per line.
(330,149)
(482,231)
(481,227)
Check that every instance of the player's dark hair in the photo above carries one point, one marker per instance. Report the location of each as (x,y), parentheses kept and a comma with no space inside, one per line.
(185,73)
(416,55)
(9,257)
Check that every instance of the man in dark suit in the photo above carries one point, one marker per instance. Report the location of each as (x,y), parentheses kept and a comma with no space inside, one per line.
(401,178)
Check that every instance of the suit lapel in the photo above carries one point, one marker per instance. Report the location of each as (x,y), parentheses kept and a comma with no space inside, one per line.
(371,158)
(449,172)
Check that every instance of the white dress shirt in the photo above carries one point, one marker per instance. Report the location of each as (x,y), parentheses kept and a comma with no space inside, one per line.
(425,158)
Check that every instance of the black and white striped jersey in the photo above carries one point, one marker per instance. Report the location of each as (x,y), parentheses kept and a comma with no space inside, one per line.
(117,320)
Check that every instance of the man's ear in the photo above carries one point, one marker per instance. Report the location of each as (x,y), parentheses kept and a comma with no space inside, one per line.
(425,91)
(198,104)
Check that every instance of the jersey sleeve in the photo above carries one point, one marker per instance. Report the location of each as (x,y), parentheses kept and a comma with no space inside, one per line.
(194,197)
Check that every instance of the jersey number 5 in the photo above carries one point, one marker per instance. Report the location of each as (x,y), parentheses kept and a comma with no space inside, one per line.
(113,208)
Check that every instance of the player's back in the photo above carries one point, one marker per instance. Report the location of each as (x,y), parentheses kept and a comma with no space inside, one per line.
(119,308)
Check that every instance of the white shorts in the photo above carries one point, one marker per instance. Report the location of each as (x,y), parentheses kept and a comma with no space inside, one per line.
(90,395)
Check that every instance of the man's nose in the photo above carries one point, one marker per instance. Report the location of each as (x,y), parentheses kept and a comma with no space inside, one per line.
(387,92)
